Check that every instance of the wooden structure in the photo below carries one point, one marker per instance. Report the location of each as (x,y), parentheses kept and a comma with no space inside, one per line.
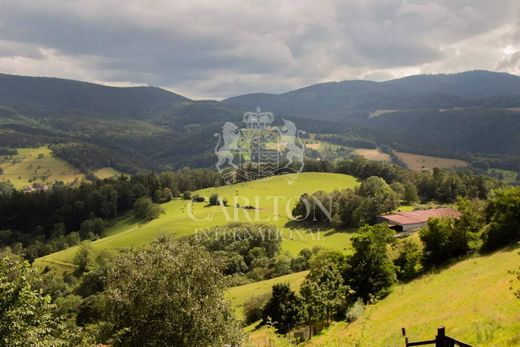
(441,340)
(410,221)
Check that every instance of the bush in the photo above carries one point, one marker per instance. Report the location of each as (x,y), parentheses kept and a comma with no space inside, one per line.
(146,210)
(186,195)
(355,311)
(503,213)
(214,199)
(409,260)
(370,272)
(198,198)
(253,308)
(443,241)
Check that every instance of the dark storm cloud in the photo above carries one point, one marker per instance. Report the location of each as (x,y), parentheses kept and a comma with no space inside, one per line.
(224,48)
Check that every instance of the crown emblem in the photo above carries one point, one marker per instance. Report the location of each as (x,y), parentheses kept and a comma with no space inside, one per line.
(258,119)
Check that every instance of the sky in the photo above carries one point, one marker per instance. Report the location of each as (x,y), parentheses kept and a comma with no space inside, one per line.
(222,48)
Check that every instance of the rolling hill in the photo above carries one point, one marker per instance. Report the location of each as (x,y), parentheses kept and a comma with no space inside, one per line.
(37,165)
(177,220)
(457,297)
(470,116)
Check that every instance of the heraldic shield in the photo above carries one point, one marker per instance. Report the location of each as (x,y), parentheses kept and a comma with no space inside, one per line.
(259,150)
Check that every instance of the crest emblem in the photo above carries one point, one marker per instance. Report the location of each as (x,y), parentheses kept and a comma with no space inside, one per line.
(260,149)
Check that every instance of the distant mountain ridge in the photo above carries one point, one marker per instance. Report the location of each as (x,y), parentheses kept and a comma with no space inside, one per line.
(39,96)
(336,100)
(469,115)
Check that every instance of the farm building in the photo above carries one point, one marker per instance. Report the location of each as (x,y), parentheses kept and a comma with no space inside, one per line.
(409,221)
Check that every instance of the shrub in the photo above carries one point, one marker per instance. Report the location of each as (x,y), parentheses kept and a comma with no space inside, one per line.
(503,213)
(409,260)
(253,308)
(146,210)
(214,199)
(355,311)
(198,198)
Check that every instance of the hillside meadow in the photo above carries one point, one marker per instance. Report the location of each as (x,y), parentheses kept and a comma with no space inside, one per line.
(418,161)
(273,199)
(37,165)
(238,296)
(472,299)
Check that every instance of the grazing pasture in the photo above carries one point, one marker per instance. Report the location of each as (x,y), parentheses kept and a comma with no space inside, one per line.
(37,165)
(419,162)
(372,154)
(472,299)
(271,200)
(238,296)
(106,172)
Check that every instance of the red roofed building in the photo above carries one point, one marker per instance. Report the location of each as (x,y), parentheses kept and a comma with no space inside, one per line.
(409,221)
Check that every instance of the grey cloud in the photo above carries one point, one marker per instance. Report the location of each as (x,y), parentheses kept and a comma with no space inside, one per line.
(230,47)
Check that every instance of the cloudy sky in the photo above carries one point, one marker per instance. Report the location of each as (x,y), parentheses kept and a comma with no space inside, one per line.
(221,48)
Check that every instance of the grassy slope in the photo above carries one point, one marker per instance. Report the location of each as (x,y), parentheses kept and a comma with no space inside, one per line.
(471,298)
(106,172)
(238,296)
(176,220)
(26,165)
(418,161)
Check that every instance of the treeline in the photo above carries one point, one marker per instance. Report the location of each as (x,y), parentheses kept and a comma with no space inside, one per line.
(47,221)
(339,285)
(384,187)
(349,140)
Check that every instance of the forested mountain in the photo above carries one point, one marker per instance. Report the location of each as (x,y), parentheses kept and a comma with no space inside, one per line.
(460,115)
(340,100)
(42,96)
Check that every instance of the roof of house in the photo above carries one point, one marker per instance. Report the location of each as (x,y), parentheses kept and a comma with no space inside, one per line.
(420,216)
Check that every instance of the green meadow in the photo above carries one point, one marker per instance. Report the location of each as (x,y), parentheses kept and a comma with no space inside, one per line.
(473,299)
(238,296)
(37,165)
(273,199)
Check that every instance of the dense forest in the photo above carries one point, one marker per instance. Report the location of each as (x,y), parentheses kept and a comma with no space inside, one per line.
(146,128)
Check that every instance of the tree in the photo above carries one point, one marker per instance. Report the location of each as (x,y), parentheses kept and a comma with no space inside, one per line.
(503,215)
(170,293)
(92,228)
(283,309)
(443,240)
(146,210)
(214,199)
(27,317)
(370,272)
(409,260)
(83,256)
(399,189)
(326,271)
(410,193)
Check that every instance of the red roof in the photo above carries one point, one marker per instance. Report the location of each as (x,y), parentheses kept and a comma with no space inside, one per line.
(420,216)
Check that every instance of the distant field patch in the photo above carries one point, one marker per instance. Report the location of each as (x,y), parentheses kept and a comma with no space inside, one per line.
(314,146)
(107,172)
(37,165)
(418,162)
(372,154)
